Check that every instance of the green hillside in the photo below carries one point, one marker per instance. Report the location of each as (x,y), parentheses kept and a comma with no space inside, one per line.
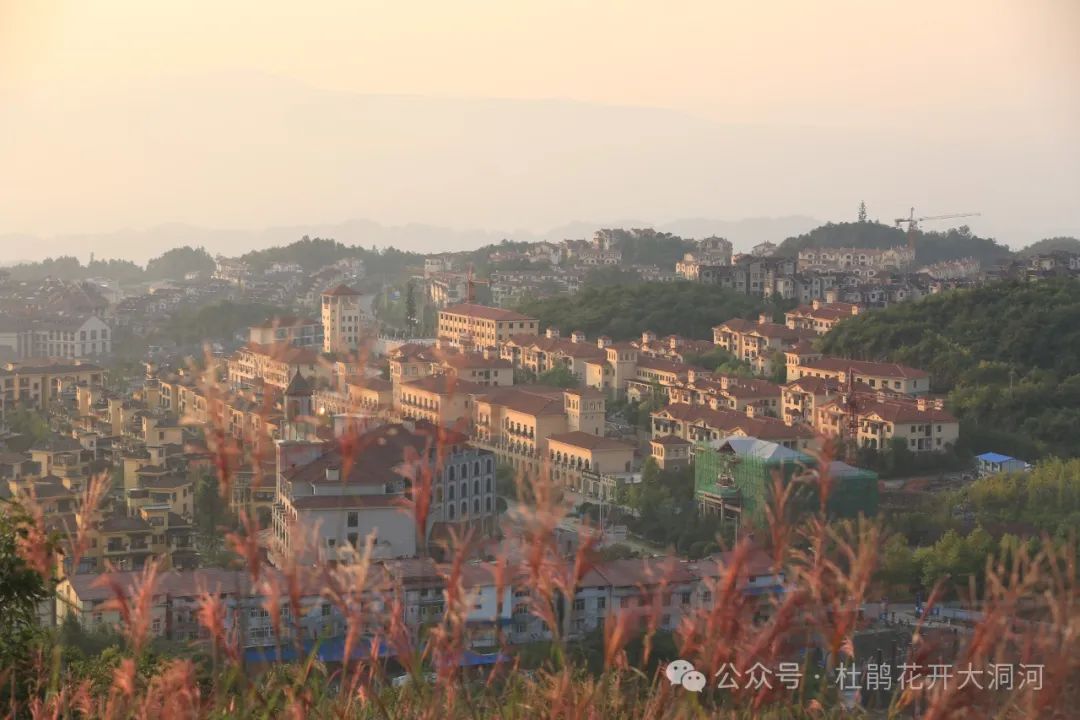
(930,247)
(624,311)
(1006,354)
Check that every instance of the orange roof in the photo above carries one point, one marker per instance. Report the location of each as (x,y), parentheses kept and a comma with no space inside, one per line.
(485,312)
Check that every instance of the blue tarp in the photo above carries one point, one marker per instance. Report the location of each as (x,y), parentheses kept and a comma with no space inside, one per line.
(994,457)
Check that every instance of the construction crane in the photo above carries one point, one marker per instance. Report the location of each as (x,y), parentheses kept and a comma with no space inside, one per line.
(913,223)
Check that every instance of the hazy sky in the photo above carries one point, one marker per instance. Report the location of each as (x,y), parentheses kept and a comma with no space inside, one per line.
(128,113)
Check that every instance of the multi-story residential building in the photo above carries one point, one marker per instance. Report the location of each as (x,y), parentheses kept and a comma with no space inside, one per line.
(275,365)
(371,396)
(542,353)
(500,603)
(37,385)
(892,377)
(345,325)
(859,260)
(412,361)
(588,463)
(711,252)
(761,344)
(446,288)
(441,400)
(670,452)
(127,542)
(923,424)
(801,398)
(479,326)
(697,423)
(288,329)
(54,337)
(332,496)
(821,317)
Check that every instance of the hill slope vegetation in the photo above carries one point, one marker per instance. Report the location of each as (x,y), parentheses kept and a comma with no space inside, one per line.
(1006,354)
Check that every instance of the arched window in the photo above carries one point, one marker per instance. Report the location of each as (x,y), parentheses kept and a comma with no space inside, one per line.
(476,487)
(450,492)
(476,506)
(464,490)
(451,512)
(476,468)
(464,470)
(451,475)
(490,465)
(464,508)
(488,484)
(488,503)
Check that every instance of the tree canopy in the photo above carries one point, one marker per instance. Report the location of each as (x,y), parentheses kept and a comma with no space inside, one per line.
(625,311)
(1047,245)
(176,263)
(930,247)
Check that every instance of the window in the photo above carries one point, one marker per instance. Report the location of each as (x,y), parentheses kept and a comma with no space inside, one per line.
(601,603)
(487,485)
(476,506)
(624,602)
(325,609)
(579,604)
(353,539)
(686,598)
(450,512)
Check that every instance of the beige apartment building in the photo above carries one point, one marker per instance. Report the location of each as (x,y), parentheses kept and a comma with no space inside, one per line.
(35,385)
(275,365)
(480,326)
(588,463)
(344,323)
(801,398)
(290,329)
(821,317)
(697,423)
(922,423)
(892,377)
(757,343)
(441,400)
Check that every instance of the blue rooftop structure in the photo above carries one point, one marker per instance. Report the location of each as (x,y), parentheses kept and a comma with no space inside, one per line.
(990,463)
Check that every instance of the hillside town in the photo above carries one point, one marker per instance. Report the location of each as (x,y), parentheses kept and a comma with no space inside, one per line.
(313,428)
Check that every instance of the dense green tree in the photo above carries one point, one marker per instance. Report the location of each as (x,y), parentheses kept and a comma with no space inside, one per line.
(625,311)
(221,321)
(862,212)
(22,588)
(560,376)
(176,263)
(1048,245)
(1005,353)
(930,247)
